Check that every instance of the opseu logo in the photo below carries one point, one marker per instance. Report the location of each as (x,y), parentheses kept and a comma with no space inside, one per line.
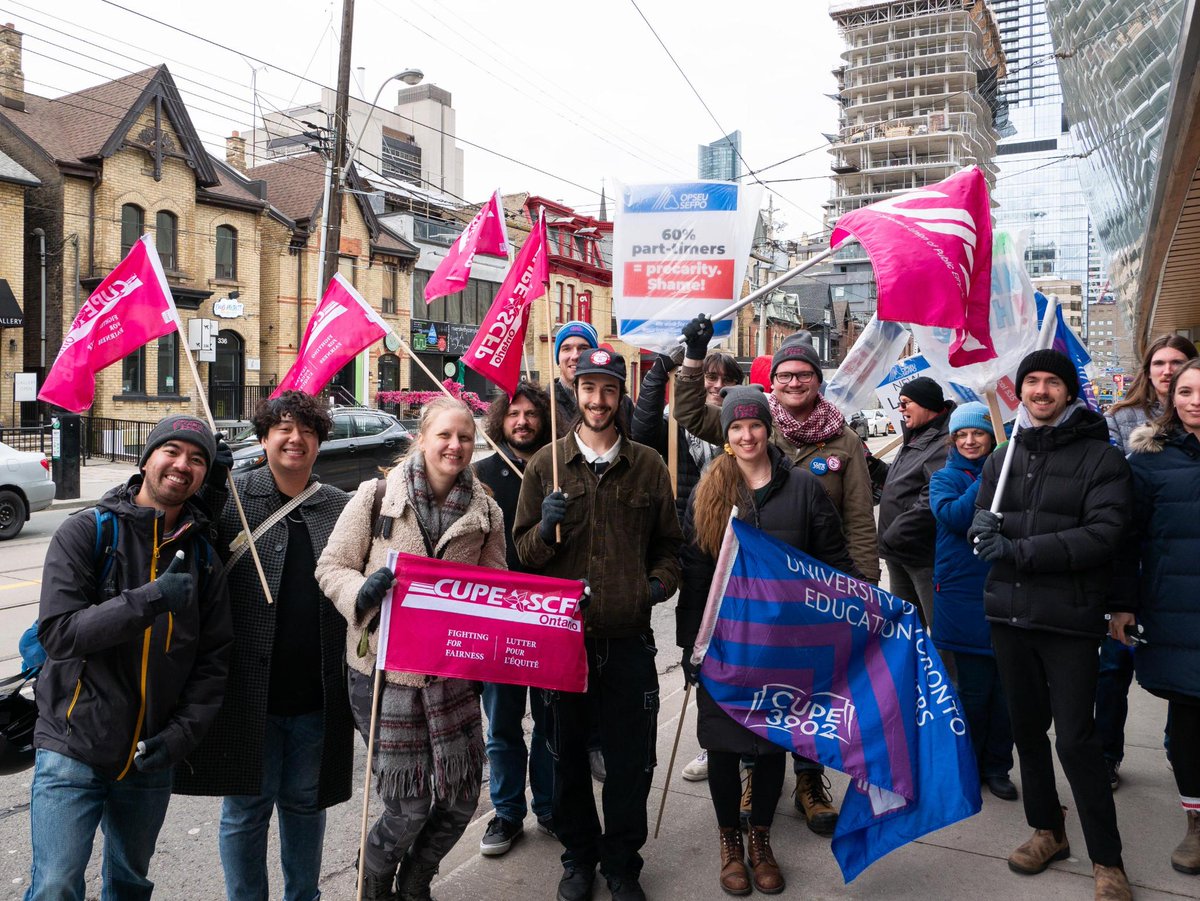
(696,197)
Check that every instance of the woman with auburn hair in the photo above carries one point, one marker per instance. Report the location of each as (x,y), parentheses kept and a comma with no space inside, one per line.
(789,504)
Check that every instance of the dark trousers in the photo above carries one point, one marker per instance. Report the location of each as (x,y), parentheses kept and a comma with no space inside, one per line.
(1112,697)
(725,786)
(1052,677)
(982,697)
(1184,725)
(621,706)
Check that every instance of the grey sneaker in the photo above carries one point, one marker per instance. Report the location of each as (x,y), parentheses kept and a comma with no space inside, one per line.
(697,770)
(499,837)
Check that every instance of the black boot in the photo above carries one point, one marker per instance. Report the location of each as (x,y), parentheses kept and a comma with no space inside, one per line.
(378,887)
(414,879)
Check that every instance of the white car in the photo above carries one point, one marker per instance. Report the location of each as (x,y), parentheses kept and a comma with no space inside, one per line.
(25,488)
(877,422)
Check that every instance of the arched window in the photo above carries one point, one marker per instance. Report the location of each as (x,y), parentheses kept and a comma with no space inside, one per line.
(226,252)
(164,228)
(133,221)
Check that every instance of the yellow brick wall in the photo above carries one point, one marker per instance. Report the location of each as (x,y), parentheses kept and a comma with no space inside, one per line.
(12,269)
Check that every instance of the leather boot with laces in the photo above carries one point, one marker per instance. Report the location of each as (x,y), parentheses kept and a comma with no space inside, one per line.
(1111,884)
(1042,848)
(1186,858)
(767,878)
(378,887)
(747,801)
(814,801)
(414,879)
(735,878)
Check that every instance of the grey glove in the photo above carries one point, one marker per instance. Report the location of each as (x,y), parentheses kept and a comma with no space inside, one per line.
(985,522)
(370,596)
(554,511)
(994,547)
(696,335)
(152,755)
(176,586)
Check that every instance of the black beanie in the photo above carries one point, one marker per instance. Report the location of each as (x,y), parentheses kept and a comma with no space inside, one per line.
(744,402)
(924,392)
(798,347)
(181,427)
(1055,363)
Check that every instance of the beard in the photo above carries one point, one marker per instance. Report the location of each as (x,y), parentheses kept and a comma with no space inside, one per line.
(525,442)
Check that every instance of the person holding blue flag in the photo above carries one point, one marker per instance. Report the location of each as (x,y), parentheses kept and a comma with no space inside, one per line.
(958,578)
(788,503)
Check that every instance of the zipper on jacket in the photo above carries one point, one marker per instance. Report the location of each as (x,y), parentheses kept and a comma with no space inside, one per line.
(75,697)
(141,717)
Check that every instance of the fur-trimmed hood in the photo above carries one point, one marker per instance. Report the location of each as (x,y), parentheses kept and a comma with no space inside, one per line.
(1147,439)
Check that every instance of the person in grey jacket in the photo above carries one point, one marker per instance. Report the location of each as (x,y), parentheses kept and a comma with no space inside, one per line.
(907,530)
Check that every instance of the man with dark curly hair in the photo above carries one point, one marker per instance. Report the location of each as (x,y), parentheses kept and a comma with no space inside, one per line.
(284,737)
(520,427)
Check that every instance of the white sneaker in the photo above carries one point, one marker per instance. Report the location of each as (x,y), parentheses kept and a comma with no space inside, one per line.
(697,770)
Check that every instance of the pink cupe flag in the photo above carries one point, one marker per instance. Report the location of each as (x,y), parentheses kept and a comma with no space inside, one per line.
(342,325)
(130,308)
(484,234)
(931,250)
(496,351)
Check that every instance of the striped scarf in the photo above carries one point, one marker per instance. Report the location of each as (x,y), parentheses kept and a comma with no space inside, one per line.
(823,423)
(435,517)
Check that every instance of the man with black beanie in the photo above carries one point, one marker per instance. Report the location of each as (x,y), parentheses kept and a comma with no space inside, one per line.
(1063,515)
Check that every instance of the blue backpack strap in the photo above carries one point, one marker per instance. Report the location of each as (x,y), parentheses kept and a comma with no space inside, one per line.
(104,553)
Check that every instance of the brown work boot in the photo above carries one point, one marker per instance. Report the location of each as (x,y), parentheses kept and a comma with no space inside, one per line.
(767,878)
(814,801)
(1186,858)
(735,878)
(1043,847)
(1111,884)
(747,798)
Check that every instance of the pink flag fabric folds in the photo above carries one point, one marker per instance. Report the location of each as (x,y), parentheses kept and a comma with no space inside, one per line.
(931,250)
(496,351)
(484,234)
(342,325)
(130,308)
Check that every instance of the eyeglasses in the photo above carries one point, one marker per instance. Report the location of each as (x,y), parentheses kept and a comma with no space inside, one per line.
(786,378)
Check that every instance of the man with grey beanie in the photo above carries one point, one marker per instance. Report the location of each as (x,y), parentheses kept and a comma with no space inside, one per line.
(135,621)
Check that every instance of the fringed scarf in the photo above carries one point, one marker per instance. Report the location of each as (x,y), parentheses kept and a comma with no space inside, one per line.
(429,735)
(435,517)
(824,422)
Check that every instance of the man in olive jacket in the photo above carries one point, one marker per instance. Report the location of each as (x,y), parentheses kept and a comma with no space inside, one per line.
(619,531)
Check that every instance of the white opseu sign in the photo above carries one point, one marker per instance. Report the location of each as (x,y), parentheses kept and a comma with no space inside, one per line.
(679,250)
(909,368)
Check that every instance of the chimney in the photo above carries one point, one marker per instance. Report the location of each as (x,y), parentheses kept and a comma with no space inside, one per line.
(12,79)
(235,151)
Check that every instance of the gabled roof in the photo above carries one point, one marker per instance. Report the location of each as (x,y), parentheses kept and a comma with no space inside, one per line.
(90,125)
(13,172)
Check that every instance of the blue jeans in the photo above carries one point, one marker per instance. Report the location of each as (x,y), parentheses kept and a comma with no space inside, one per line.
(507,756)
(982,698)
(68,801)
(291,774)
(1112,697)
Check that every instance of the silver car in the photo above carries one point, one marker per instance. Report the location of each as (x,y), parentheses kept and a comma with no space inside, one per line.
(25,488)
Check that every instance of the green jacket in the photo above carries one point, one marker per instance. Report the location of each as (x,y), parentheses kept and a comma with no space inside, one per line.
(621,530)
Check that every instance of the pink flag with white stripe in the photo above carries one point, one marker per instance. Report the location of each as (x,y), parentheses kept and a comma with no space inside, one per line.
(130,308)
(931,250)
(484,234)
(342,325)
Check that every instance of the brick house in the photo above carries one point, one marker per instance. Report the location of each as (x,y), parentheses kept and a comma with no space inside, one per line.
(14,179)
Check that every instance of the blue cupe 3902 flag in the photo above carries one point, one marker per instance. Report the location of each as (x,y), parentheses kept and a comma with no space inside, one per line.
(839,671)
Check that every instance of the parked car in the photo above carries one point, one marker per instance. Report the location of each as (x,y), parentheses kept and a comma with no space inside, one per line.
(877,422)
(25,488)
(361,441)
(858,422)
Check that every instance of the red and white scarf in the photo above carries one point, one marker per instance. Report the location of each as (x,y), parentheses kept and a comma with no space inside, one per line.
(823,423)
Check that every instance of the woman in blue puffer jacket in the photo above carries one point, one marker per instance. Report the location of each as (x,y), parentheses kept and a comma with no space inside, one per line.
(961,632)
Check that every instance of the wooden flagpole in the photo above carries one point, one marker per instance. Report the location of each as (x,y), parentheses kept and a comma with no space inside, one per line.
(376,692)
(262,576)
(662,806)
(553,402)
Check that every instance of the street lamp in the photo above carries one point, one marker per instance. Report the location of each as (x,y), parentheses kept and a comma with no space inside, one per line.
(410,77)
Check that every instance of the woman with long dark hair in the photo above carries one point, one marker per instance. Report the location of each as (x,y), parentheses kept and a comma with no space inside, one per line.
(789,504)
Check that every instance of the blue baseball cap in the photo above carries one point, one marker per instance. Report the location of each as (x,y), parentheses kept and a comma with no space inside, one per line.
(575,329)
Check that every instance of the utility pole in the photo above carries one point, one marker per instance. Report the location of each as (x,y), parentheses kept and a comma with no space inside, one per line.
(333,212)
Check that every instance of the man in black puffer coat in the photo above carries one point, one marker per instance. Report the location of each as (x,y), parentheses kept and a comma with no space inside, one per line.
(1063,515)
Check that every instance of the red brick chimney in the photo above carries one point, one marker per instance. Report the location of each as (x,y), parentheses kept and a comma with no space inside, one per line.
(12,79)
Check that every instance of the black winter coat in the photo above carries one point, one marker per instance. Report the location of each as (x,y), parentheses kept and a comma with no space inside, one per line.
(505,486)
(1067,509)
(907,530)
(117,671)
(230,759)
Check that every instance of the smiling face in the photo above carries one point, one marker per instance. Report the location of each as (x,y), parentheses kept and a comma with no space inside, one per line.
(1187,400)
(568,358)
(913,414)
(291,448)
(599,396)
(522,424)
(447,442)
(714,381)
(1163,364)
(973,443)
(748,439)
(796,385)
(174,471)
(1045,396)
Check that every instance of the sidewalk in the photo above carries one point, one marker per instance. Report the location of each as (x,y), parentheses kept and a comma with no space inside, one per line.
(94,480)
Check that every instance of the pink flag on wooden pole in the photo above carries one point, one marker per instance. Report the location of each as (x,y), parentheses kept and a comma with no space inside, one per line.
(496,351)
(484,234)
(931,250)
(342,325)
(130,308)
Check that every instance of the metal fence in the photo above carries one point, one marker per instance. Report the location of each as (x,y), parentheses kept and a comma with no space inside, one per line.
(35,438)
(114,439)
(237,401)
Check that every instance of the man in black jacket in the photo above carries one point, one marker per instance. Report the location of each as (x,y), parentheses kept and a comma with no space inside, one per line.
(520,427)
(907,530)
(1064,513)
(137,657)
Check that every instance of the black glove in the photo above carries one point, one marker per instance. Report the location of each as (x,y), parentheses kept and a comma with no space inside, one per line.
(994,547)
(658,591)
(691,671)
(222,462)
(670,362)
(370,596)
(176,586)
(984,523)
(554,511)
(152,755)
(696,335)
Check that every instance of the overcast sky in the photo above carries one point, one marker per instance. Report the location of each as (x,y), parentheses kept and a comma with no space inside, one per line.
(582,91)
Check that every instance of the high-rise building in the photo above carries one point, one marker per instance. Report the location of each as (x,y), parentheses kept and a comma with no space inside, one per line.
(721,160)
